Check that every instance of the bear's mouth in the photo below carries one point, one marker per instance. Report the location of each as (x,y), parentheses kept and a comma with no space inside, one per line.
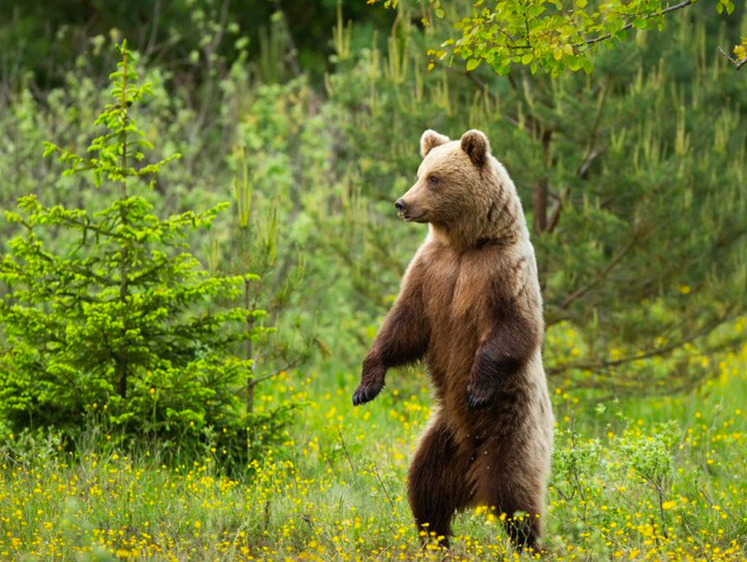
(407,217)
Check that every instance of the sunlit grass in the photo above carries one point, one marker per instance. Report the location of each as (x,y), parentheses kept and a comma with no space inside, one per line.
(661,478)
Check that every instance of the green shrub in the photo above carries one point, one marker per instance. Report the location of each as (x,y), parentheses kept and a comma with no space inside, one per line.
(121,320)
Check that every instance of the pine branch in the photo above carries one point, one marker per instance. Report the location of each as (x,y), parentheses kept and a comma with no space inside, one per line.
(581,291)
(651,352)
(274,374)
(98,230)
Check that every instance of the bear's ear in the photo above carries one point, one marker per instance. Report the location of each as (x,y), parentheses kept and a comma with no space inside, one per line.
(431,139)
(476,145)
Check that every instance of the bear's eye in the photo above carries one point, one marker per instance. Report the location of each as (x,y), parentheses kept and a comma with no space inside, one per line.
(433,180)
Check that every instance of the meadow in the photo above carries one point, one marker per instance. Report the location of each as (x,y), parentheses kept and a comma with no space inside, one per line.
(198,248)
(654,479)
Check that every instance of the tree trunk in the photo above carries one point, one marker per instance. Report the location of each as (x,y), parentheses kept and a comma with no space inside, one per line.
(539,206)
(541,190)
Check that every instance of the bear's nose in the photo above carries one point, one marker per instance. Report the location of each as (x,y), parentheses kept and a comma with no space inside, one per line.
(399,204)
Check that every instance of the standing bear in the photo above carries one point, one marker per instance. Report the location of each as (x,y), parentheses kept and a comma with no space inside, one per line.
(470,306)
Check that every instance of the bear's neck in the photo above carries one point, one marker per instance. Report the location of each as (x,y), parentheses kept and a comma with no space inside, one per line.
(501,223)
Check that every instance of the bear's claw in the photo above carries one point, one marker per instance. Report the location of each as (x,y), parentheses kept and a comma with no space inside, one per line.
(365,393)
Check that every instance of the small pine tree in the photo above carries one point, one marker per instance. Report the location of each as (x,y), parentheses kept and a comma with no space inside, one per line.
(122,317)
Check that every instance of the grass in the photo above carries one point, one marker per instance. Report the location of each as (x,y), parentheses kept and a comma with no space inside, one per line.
(660,478)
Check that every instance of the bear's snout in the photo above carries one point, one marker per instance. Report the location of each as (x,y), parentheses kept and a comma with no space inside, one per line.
(409,211)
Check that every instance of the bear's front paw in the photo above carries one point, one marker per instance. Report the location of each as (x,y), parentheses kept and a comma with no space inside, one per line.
(367,391)
(479,395)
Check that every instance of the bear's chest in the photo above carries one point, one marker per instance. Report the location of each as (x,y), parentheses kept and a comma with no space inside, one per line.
(458,289)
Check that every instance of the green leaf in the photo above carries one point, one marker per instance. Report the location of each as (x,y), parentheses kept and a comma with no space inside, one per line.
(535,10)
(472,64)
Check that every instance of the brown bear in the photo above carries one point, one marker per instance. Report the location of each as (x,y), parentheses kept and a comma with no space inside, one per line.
(470,305)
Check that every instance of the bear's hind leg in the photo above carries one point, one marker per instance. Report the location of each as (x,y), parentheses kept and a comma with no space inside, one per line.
(511,491)
(525,531)
(438,485)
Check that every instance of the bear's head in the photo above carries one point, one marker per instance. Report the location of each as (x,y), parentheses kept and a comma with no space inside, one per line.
(458,182)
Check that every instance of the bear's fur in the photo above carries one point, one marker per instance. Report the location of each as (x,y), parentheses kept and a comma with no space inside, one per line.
(470,305)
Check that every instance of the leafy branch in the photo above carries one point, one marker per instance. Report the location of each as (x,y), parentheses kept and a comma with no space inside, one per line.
(740,55)
(551,35)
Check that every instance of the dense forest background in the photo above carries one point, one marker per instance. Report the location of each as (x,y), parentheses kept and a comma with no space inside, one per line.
(200,408)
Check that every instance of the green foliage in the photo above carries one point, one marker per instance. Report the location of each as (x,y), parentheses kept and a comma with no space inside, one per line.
(554,36)
(193,40)
(121,319)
